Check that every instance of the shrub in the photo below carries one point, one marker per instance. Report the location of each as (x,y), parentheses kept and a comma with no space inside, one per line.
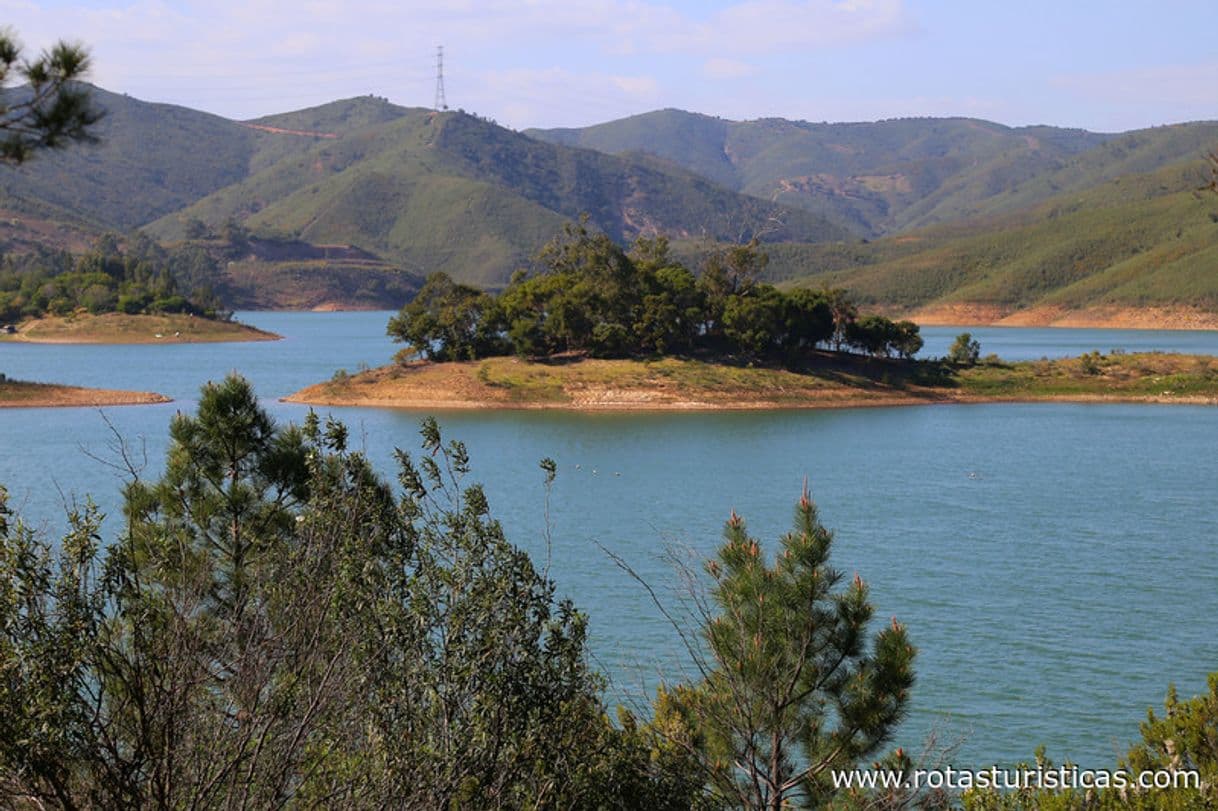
(964,350)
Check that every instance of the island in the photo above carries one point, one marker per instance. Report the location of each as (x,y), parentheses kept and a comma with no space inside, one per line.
(836,381)
(123,328)
(598,327)
(118,292)
(24,394)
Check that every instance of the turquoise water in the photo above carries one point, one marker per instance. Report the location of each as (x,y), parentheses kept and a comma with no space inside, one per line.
(1054,562)
(1022,343)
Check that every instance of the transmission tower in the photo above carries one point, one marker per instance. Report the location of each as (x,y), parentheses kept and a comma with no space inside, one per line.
(441,102)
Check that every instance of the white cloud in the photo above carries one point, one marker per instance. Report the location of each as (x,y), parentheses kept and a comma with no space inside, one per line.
(254,57)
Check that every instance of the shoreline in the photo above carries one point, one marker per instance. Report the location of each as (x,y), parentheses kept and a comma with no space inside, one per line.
(27,394)
(1165,319)
(122,329)
(685,385)
(758,405)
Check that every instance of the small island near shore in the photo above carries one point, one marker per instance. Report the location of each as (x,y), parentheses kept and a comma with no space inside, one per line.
(598,327)
(112,294)
(129,291)
(681,384)
(123,328)
(24,394)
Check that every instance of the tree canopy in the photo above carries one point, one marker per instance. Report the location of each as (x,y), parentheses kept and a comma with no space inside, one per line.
(136,277)
(276,626)
(791,687)
(587,295)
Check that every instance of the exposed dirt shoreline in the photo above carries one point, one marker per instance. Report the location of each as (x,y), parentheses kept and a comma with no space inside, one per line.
(413,404)
(681,385)
(973,315)
(119,328)
(22,394)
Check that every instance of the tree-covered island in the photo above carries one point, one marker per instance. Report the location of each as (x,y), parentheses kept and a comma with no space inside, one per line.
(120,291)
(593,325)
(590,297)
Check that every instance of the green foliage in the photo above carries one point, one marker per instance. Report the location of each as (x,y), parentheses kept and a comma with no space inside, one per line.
(277,627)
(449,321)
(1184,737)
(1090,362)
(53,110)
(592,297)
(140,277)
(753,323)
(877,335)
(791,689)
(965,350)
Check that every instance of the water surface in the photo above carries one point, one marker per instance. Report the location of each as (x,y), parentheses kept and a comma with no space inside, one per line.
(1054,563)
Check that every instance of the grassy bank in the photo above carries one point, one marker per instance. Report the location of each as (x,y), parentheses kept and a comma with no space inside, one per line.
(1153,376)
(830,381)
(119,328)
(22,394)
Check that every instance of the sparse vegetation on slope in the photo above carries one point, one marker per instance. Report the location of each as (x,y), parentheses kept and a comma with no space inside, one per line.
(889,176)
(874,177)
(1140,241)
(450,192)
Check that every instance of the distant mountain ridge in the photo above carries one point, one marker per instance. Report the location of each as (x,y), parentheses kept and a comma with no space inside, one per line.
(892,176)
(425,191)
(1138,243)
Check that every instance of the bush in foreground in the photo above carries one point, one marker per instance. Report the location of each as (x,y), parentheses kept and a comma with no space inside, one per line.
(276,626)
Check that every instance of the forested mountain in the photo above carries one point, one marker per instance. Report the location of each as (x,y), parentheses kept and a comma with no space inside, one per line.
(1141,240)
(453,192)
(420,191)
(897,175)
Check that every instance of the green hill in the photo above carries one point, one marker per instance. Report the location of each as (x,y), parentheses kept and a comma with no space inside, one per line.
(975,212)
(1144,240)
(153,159)
(456,193)
(891,176)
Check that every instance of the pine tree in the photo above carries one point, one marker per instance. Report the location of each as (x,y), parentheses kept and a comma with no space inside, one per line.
(790,690)
(52,110)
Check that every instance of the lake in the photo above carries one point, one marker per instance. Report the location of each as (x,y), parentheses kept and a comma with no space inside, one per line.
(1055,563)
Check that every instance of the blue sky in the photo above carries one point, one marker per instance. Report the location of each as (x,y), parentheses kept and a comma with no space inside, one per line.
(1108,66)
